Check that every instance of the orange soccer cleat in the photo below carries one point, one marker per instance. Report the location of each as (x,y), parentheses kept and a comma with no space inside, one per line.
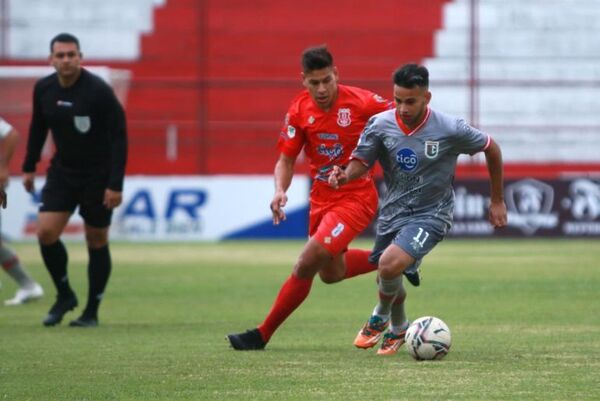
(391,343)
(371,332)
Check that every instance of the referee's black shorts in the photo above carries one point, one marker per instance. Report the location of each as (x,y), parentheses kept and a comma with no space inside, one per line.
(65,189)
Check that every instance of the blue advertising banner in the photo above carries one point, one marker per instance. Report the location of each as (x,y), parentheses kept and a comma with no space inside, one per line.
(177,208)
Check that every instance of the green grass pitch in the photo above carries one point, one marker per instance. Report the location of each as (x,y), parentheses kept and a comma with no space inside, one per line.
(524,316)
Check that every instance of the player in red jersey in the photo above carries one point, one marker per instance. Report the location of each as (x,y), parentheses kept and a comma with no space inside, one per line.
(326,121)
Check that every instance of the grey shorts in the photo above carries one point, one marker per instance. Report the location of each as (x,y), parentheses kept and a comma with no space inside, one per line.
(417,238)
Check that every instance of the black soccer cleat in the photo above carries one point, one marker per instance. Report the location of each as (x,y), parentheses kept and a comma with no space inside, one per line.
(250,340)
(84,321)
(58,310)
(413,277)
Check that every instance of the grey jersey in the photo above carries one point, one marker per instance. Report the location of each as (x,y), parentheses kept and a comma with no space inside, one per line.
(418,167)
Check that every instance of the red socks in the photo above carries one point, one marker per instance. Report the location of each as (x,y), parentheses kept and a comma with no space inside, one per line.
(293,292)
(357,262)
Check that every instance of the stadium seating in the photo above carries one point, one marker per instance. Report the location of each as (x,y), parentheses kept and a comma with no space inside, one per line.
(211,81)
(115,22)
(537,71)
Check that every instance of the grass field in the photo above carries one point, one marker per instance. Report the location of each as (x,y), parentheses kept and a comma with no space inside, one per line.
(524,315)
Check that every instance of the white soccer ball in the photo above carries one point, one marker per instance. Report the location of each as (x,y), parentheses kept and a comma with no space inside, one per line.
(428,338)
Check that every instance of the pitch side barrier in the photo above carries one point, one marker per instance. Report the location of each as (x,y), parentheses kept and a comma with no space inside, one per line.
(178,208)
(558,207)
(209,208)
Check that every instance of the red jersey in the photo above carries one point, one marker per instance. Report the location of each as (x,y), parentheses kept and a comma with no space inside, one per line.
(328,138)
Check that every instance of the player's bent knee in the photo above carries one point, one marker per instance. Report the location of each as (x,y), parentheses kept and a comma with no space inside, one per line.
(96,237)
(96,242)
(334,271)
(393,262)
(311,263)
(47,236)
(328,277)
(389,269)
(305,268)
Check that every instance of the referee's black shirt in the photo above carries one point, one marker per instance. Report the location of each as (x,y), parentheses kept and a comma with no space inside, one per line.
(87,124)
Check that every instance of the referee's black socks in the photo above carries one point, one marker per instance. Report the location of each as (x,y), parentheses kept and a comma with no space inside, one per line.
(55,258)
(99,268)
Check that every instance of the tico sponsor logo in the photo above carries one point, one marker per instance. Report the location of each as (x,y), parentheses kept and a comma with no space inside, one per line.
(407,159)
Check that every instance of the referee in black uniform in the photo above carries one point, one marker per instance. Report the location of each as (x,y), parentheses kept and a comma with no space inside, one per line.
(87,170)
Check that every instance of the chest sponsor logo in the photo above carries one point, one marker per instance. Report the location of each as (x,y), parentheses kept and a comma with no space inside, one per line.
(327,136)
(344,119)
(407,159)
(431,149)
(332,152)
(82,123)
(64,103)
(291,131)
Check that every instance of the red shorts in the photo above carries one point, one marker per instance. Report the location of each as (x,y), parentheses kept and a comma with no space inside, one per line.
(336,222)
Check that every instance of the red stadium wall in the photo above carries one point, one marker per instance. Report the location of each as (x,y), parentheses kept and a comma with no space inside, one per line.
(214,79)
(217,77)
(223,73)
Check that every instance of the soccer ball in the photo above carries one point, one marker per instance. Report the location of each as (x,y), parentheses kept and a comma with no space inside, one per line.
(428,338)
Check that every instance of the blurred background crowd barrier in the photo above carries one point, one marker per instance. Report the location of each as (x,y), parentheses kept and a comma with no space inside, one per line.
(206,85)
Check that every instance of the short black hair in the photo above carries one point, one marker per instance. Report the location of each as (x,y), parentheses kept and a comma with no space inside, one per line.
(316,58)
(411,75)
(64,38)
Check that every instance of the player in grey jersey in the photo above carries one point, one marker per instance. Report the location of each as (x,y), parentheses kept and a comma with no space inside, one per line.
(417,148)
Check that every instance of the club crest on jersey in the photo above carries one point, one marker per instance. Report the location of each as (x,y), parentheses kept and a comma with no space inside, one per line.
(344,118)
(431,149)
(291,131)
(389,142)
(82,123)
(311,119)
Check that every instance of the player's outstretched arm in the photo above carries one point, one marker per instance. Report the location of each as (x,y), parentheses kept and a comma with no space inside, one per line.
(497,212)
(284,171)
